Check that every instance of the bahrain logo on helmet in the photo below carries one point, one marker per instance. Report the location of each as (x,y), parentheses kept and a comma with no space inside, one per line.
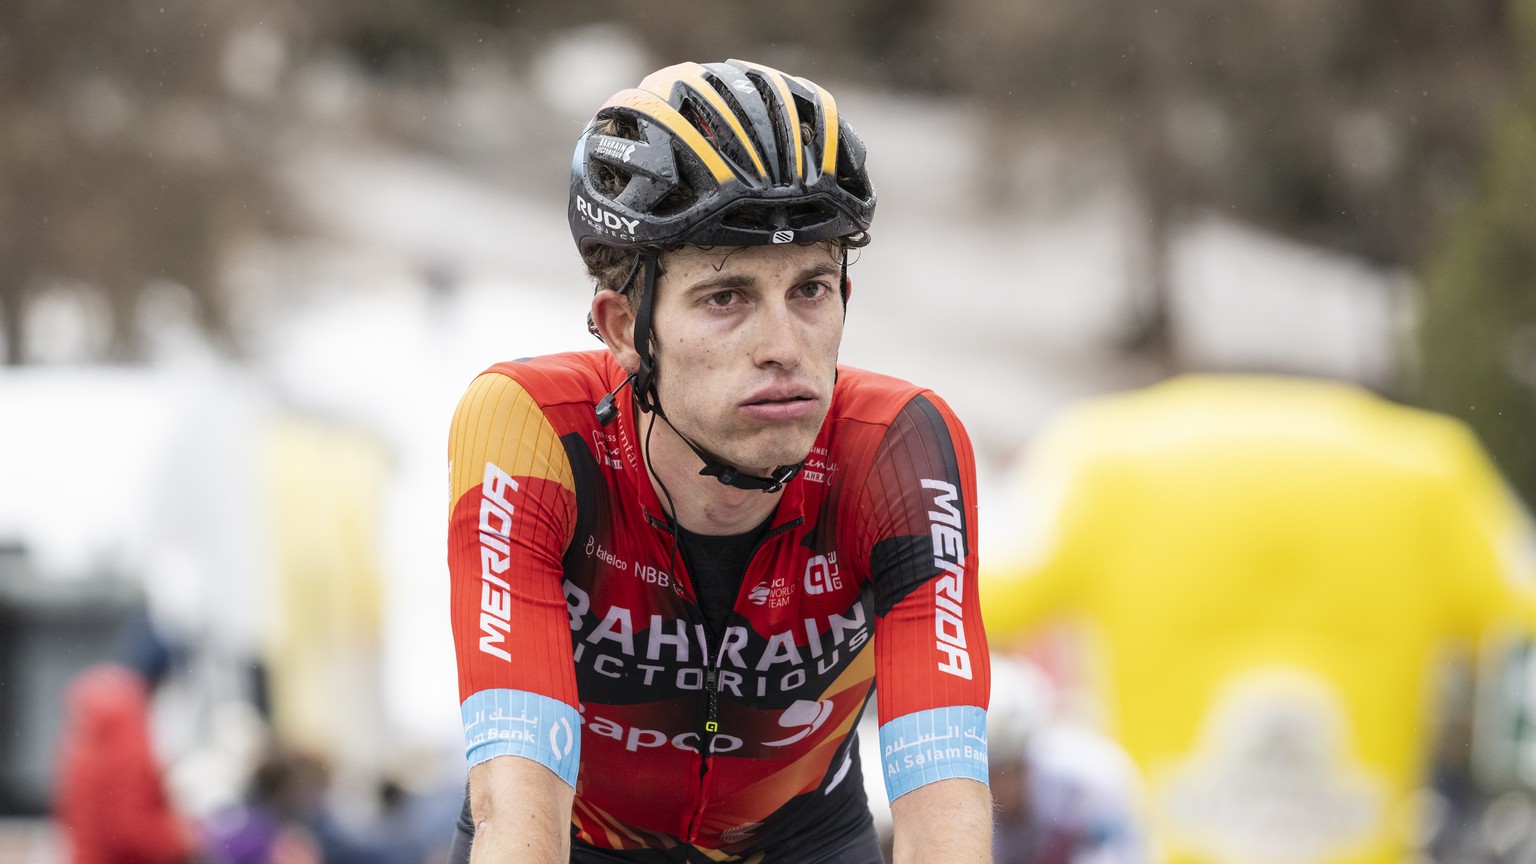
(783,236)
(804,714)
(602,219)
(616,148)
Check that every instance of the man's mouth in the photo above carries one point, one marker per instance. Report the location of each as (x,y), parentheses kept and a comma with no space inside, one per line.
(781,394)
(784,404)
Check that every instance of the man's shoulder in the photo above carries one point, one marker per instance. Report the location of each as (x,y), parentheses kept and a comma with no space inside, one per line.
(556,379)
(870,397)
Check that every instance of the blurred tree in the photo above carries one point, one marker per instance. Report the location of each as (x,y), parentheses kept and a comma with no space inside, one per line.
(125,162)
(1349,124)
(1477,331)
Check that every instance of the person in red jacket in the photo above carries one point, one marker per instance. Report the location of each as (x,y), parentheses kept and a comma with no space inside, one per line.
(110,799)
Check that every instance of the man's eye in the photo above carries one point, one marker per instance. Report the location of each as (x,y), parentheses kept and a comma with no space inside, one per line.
(721,298)
(812,290)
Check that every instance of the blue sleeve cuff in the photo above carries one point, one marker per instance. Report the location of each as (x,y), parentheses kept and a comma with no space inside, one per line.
(937,744)
(519,723)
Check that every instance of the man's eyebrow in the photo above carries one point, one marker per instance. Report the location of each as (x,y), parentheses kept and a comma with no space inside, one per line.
(726,281)
(720,282)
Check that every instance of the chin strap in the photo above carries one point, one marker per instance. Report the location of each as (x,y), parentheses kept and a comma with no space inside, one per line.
(647,399)
(716,468)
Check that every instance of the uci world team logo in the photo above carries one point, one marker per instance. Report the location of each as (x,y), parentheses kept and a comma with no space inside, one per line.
(821,574)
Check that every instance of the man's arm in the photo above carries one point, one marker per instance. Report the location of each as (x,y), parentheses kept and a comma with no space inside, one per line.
(943,822)
(522,813)
(932,668)
(512,514)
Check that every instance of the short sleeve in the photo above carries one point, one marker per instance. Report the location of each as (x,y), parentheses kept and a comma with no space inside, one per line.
(932,670)
(511,516)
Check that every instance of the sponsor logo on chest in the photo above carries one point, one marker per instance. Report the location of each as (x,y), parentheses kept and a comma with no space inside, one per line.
(651,649)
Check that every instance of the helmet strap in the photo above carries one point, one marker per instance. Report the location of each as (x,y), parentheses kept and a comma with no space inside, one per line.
(645,376)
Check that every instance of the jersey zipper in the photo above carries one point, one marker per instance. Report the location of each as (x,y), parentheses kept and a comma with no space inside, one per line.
(710,715)
(712,661)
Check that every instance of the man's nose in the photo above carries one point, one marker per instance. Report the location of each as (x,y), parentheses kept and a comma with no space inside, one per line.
(779,340)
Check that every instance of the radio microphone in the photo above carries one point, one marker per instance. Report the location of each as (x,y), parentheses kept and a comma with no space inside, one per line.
(605,409)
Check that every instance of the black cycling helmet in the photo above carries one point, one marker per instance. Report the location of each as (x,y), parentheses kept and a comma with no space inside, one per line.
(718,154)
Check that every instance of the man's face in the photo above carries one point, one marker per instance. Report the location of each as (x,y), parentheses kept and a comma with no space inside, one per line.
(747,343)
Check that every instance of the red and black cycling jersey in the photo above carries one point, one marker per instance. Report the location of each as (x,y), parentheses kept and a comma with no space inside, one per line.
(580,644)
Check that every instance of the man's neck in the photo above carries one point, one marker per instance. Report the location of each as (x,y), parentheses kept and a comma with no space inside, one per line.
(704,504)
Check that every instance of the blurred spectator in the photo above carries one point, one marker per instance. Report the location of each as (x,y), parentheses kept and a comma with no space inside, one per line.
(275,821)
(1064,795)
(286,819)
(272,824)
(110,794)
(1268,573)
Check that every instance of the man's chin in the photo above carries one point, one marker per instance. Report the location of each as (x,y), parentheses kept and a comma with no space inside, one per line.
(763,461)
(759,451)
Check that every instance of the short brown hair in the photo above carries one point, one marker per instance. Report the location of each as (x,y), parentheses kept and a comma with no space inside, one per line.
(610,266)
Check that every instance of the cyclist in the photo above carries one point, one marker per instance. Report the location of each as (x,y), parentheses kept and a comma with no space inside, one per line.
(680,564)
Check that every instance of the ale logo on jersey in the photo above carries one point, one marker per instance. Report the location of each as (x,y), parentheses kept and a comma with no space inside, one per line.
(821,574)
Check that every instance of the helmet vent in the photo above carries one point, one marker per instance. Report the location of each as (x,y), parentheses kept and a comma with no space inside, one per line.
(609,180)
(607,177)
(801,216)
(783,172)
(703,117)
(727,94)
(676,201)
(812,139)
(811,214)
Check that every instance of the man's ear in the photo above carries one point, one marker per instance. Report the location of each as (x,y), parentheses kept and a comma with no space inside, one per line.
(847,289)
(616,322)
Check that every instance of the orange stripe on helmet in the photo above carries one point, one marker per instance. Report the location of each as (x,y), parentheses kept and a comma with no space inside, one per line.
(661,82)
(788,98)
(829,116)
(658,110)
